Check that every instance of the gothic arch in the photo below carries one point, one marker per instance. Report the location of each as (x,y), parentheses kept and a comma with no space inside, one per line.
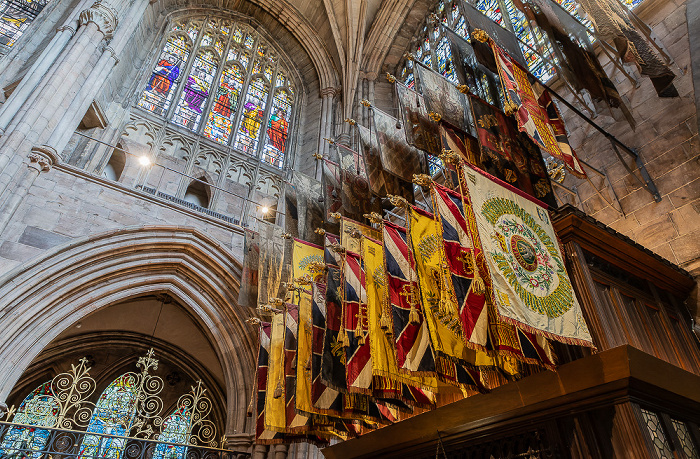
(44,297)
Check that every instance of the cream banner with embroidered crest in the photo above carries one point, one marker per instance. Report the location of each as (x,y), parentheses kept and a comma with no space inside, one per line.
(528,281)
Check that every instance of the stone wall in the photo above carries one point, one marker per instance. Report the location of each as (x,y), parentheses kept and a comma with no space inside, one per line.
(666,137)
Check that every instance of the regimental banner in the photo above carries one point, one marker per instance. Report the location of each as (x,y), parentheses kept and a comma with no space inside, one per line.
(419,129)
(248,292)
(476,20)
(331,256)
(306,257)
(381,182)
(324,399)
(388,383)
(481,81)
(414,352)
(271,263)
(358,354)
(453,358)
(333,359)
(466,285)
(275,402)
(296,423)
(511,157)
(569,156)
(444,99)
(332,188)
(305,356)
(529,285)
(303,211)
(396,155)
(351,233)
(466,146)
(519,94)
(263,436)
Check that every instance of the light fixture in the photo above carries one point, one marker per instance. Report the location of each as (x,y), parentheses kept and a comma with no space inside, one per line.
(144,161)
(264,209)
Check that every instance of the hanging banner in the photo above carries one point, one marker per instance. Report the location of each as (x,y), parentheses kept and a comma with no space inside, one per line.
(334,359)
(419,129)
(529,285)
(396,155)
(444,99)
(359,357)
(248,292)
(263,436)
(304,213)
(271,263)
(275,401)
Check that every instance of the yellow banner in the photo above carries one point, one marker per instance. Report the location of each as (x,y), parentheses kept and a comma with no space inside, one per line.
(304,339)
(275,417)
(380,324)
(348,228)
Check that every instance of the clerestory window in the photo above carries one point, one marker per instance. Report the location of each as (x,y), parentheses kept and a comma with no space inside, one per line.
(222,80)
(15,17)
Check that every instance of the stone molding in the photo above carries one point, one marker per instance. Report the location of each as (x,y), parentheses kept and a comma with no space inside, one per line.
(69,28)
(330,91)
(104,17)
(42,158)
(47,295)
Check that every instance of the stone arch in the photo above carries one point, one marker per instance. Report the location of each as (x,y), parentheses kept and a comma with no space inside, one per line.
(44,297)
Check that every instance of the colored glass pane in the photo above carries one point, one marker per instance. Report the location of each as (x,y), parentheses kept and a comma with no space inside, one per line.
(113,416)
(225,28)
(491,9)
(455,12)
(196,92)
(410,81)
(15,17)
(238,35)
(252,117)
(268,72)
(207,39)
(193,30)
(249,40)
(434,165)
(444,60)
(219,46)
(165,78)
(220,123)
(277,129)
(174,435)
(40,409)
(281,79)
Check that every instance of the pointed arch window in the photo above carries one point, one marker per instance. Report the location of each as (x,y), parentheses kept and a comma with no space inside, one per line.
(174,435)
(113,415)
(215,78)
(38,409)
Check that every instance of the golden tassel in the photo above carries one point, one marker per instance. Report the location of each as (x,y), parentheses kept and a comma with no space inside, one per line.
(249,413)
(343,337)
(358,328)
(384,322)
(414,316)
(362,338)
(510,108)
(278,390)
(478,285)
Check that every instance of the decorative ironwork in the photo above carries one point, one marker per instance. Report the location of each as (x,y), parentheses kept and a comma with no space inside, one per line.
(62,443)
(123,423)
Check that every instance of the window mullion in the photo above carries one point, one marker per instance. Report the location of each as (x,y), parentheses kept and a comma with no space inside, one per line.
(188,68)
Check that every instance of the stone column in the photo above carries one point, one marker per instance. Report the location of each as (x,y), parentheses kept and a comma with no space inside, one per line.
(54,94)
(39,160)
(281,451)
(71,119)
(259,452)
(41,65)
(240,442)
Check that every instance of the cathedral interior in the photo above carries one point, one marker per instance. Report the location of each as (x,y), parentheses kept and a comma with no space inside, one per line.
(146,144)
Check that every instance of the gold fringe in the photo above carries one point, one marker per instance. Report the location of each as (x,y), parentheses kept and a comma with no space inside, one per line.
(343,337)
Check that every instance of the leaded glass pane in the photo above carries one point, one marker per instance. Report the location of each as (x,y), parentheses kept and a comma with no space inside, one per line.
(685,439)
(253,112)
(223,112)
(492,9)
(15,17)
(194,96)
(163,83)
(174,435)
(113,415)
(444,58)
(657,434)
(277,129)
(39,409)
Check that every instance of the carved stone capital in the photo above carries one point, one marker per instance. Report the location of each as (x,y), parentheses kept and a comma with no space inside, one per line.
(41,158)
(109,49)
(67,28)
(104,17)
(330,91)
(239,442)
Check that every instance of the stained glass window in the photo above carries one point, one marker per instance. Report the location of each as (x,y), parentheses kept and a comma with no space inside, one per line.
(15,17)
(685,439)
(174,435)
(113,415)
(277,128)
(166,75)
(220,122)
(39,409)
(213,77)
(657,434)
(252,117)
(492,9)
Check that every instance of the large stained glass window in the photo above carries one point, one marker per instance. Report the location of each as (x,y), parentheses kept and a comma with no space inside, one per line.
(15,17)
(174,435)
(113,414)
(38,409)
(216,78)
